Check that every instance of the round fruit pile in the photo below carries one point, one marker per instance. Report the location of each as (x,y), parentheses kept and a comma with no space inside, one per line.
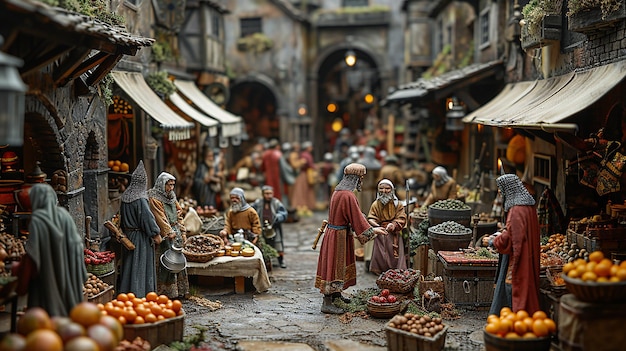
(118,166)
(416,324)
(86,328)
(94,286)
(520,324)
(129,309)
(597,269)
(383,297)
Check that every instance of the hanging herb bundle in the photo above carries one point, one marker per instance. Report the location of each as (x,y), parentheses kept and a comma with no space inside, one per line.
(160,83)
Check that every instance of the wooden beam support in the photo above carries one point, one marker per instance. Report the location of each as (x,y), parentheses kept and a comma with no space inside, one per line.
(44,59)
(65,72)
(103,69)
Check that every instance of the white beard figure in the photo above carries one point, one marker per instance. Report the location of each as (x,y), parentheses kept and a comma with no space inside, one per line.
(236,207)
(385,198)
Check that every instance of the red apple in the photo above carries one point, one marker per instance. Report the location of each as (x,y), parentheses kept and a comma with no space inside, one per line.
(383,299)
(384,292)
(376,299)
(392,298)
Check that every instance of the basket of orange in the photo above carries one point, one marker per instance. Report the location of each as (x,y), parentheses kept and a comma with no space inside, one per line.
(597,279)
(519,331)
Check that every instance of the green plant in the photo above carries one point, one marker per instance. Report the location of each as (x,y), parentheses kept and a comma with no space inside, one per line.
(160,83)
(94,8)
(190,341)
(161,52)
(256,43)
(535,10)
(105,90)
(267,250)
(606,6)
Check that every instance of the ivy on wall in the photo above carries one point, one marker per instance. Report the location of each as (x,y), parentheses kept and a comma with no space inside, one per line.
(98,9)
(606,6)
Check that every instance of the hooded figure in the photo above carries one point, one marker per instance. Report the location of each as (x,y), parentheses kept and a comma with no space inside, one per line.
(517,283)
(443,187)
(168,214)
(54,256)
(138,271)
(274,213)
(336,265)
(389,213)
(241,216)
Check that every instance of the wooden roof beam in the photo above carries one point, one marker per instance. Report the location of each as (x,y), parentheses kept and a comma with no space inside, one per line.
(68,68)
(103,69)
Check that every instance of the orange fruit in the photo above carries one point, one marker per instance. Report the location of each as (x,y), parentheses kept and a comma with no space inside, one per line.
(506,325)
(573,273)
(103,336)
(168,313)
(117,162)
(151,318)
(614,269)
(529,323)
(111,163)
(122,320)
(43,340)
(124,167)
(131,296)
(568,267)
(492,317)
(139,320)
(596,256)
(13,342)
(504,311)
(512,335)
(114,325)
(122,297)
(540,328)
(86,314)
(33,319)
(603,268)
(162,299)
(550,324)
(156,310)
(589,276)
(521,314)
(130,315)
(621,274)
(529,335)
(539,315)
(622,264)
(177,305)
(152,296)
(493,327)
(520,327)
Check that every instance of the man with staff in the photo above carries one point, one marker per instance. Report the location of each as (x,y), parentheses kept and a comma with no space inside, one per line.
(336,266)
(272,213)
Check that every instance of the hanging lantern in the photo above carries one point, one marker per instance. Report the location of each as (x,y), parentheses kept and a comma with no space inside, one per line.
(12,96)
(454,115)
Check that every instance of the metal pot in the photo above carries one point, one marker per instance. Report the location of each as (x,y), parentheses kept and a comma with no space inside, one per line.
(174,260)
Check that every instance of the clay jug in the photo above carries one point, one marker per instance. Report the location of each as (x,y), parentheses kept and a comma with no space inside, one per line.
(22,195)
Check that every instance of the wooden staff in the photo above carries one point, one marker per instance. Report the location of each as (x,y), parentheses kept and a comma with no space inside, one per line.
(320,231)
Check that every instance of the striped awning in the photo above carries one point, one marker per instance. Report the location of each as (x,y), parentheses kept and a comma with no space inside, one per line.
(230,124)
(136,87)
(180,103)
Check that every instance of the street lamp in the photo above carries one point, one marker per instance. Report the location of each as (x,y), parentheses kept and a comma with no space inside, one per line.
(12,96)
(350,58)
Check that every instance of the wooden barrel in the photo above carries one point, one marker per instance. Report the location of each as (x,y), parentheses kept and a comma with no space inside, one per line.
(496,343)
(449,241)
(437,216)
(591,326)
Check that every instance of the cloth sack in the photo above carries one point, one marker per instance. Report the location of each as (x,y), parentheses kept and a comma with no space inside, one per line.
(611,171)
(192,222)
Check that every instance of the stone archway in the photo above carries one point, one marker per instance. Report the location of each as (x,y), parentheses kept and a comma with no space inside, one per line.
(331,81)
(257,101)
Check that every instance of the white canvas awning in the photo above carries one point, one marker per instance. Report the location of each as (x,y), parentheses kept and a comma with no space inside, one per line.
(542,104)
(231,125)
(136,87)
(211,124)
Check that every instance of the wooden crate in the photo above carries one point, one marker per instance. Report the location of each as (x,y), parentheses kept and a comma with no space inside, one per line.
(158,333)
(469,284)
(104,296)
(434,264)
(607,240)
(400,340)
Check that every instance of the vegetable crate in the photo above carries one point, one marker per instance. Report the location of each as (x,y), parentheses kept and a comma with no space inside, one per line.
(103,297)
(469,282)
(400,340)
(161,332)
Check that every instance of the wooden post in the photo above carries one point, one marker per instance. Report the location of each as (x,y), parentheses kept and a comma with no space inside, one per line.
(240,285)
(391,134)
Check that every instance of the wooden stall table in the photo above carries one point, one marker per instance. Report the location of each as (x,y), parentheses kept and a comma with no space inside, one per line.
(235,267)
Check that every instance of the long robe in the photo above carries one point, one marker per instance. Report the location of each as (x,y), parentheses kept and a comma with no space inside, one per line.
(174,285)
(56,249)
(138,273)
(303,192)
(336,267)
(388,250)
(521,242)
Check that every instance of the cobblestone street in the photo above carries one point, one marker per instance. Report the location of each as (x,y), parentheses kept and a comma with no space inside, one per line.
(288,317)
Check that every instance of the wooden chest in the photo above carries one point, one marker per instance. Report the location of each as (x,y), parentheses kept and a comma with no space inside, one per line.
(468,281)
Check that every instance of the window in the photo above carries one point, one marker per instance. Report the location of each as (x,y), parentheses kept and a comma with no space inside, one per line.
(216,24)
(250,26)
(542,170)
(355,3)
(484,28)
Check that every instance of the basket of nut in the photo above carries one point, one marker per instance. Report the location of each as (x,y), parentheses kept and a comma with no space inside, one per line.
(202,247)
(422,333)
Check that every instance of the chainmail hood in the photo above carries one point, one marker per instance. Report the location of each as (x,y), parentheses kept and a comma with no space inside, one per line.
(443,174)
(514,192)
(158,190)
(138,185)
(240,194)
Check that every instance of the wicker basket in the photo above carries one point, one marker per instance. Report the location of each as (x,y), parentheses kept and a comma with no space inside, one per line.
(214,242)
(395,286)
(384,310)
(596,292)
(100,269)
(552,273)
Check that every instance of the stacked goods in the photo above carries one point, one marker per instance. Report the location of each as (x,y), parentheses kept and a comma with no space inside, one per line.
(94,286)
(414,332)
(383,305)
(596,280)
(449,210)
(86,328)
(118,166)
(13,246)
(398,280)
(202,247)
(519,331)
(99,263)
(449,236)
